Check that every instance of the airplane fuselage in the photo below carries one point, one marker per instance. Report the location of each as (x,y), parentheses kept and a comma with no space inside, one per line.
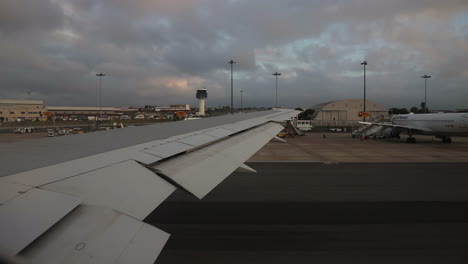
(440,125)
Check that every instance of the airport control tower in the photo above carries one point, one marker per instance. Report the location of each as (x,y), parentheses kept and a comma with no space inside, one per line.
(202,95)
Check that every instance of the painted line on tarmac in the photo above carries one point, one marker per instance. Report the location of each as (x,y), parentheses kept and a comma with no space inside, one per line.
(294,161)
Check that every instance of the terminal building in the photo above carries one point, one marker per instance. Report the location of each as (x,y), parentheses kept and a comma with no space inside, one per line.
(21,110)
(81,113)
(173,108)
(346,112)
(35,110)
(32,110)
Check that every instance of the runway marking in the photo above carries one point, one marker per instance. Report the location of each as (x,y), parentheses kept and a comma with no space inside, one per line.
(284,161)
(297,161)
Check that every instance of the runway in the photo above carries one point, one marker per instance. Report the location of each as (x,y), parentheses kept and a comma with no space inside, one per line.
(323,213)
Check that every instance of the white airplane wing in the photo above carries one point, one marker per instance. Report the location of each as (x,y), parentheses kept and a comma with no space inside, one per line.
(399,127)
(83,198)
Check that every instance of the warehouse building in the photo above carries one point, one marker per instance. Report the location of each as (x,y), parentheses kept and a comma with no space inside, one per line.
(21,110)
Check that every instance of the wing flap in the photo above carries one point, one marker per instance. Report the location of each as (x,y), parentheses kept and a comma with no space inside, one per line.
(168,149)
(219,132)
(26,217)
(127,187)
(57,172)
(145,247)
(202,170)
(9,191)
(197,140)
(92,234)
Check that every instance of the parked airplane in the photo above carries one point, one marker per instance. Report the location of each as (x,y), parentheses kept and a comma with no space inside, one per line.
(83,198)
(441,125)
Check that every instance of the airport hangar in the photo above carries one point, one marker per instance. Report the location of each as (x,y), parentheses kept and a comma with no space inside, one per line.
(346,112)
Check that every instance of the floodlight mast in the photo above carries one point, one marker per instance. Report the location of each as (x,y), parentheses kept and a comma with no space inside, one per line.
(241,91)
(425,91)
(364,63)
(100,75)
(276,74)
(232,84)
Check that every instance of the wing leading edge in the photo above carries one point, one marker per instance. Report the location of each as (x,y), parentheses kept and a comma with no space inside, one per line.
(106,196)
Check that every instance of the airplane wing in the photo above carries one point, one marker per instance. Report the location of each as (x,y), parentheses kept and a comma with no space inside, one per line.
(83,198)
(399,127)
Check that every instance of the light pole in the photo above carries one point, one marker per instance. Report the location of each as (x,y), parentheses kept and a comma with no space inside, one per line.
(425,91)
(364,111)
(276,74)
(232,90)
(241,91)
(100,75)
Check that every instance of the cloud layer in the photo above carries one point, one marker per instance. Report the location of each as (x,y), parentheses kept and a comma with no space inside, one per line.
(160,51)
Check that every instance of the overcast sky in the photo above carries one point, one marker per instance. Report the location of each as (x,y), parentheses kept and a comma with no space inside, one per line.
(159,52)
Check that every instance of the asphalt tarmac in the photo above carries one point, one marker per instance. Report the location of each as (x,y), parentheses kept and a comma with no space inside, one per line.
(323,213)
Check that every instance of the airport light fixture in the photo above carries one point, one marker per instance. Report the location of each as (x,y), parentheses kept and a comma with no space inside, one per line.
(425,91)
(100,75)
(232,89)
(241,91)
(364,63)
(276,74)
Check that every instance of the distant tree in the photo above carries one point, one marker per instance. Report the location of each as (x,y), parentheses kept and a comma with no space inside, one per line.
(398,111)
(404,111)
(148,108)
(414,109)
(306,115)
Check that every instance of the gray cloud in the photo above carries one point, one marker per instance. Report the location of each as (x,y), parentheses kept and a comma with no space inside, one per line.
(159,52)
(29,16)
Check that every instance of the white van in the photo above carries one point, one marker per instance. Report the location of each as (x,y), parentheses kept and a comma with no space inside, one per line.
(304,125)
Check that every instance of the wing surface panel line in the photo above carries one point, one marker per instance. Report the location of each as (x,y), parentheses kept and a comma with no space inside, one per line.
(77,175)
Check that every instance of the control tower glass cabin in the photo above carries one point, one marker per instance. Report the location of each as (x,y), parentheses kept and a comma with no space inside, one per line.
(202,95)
